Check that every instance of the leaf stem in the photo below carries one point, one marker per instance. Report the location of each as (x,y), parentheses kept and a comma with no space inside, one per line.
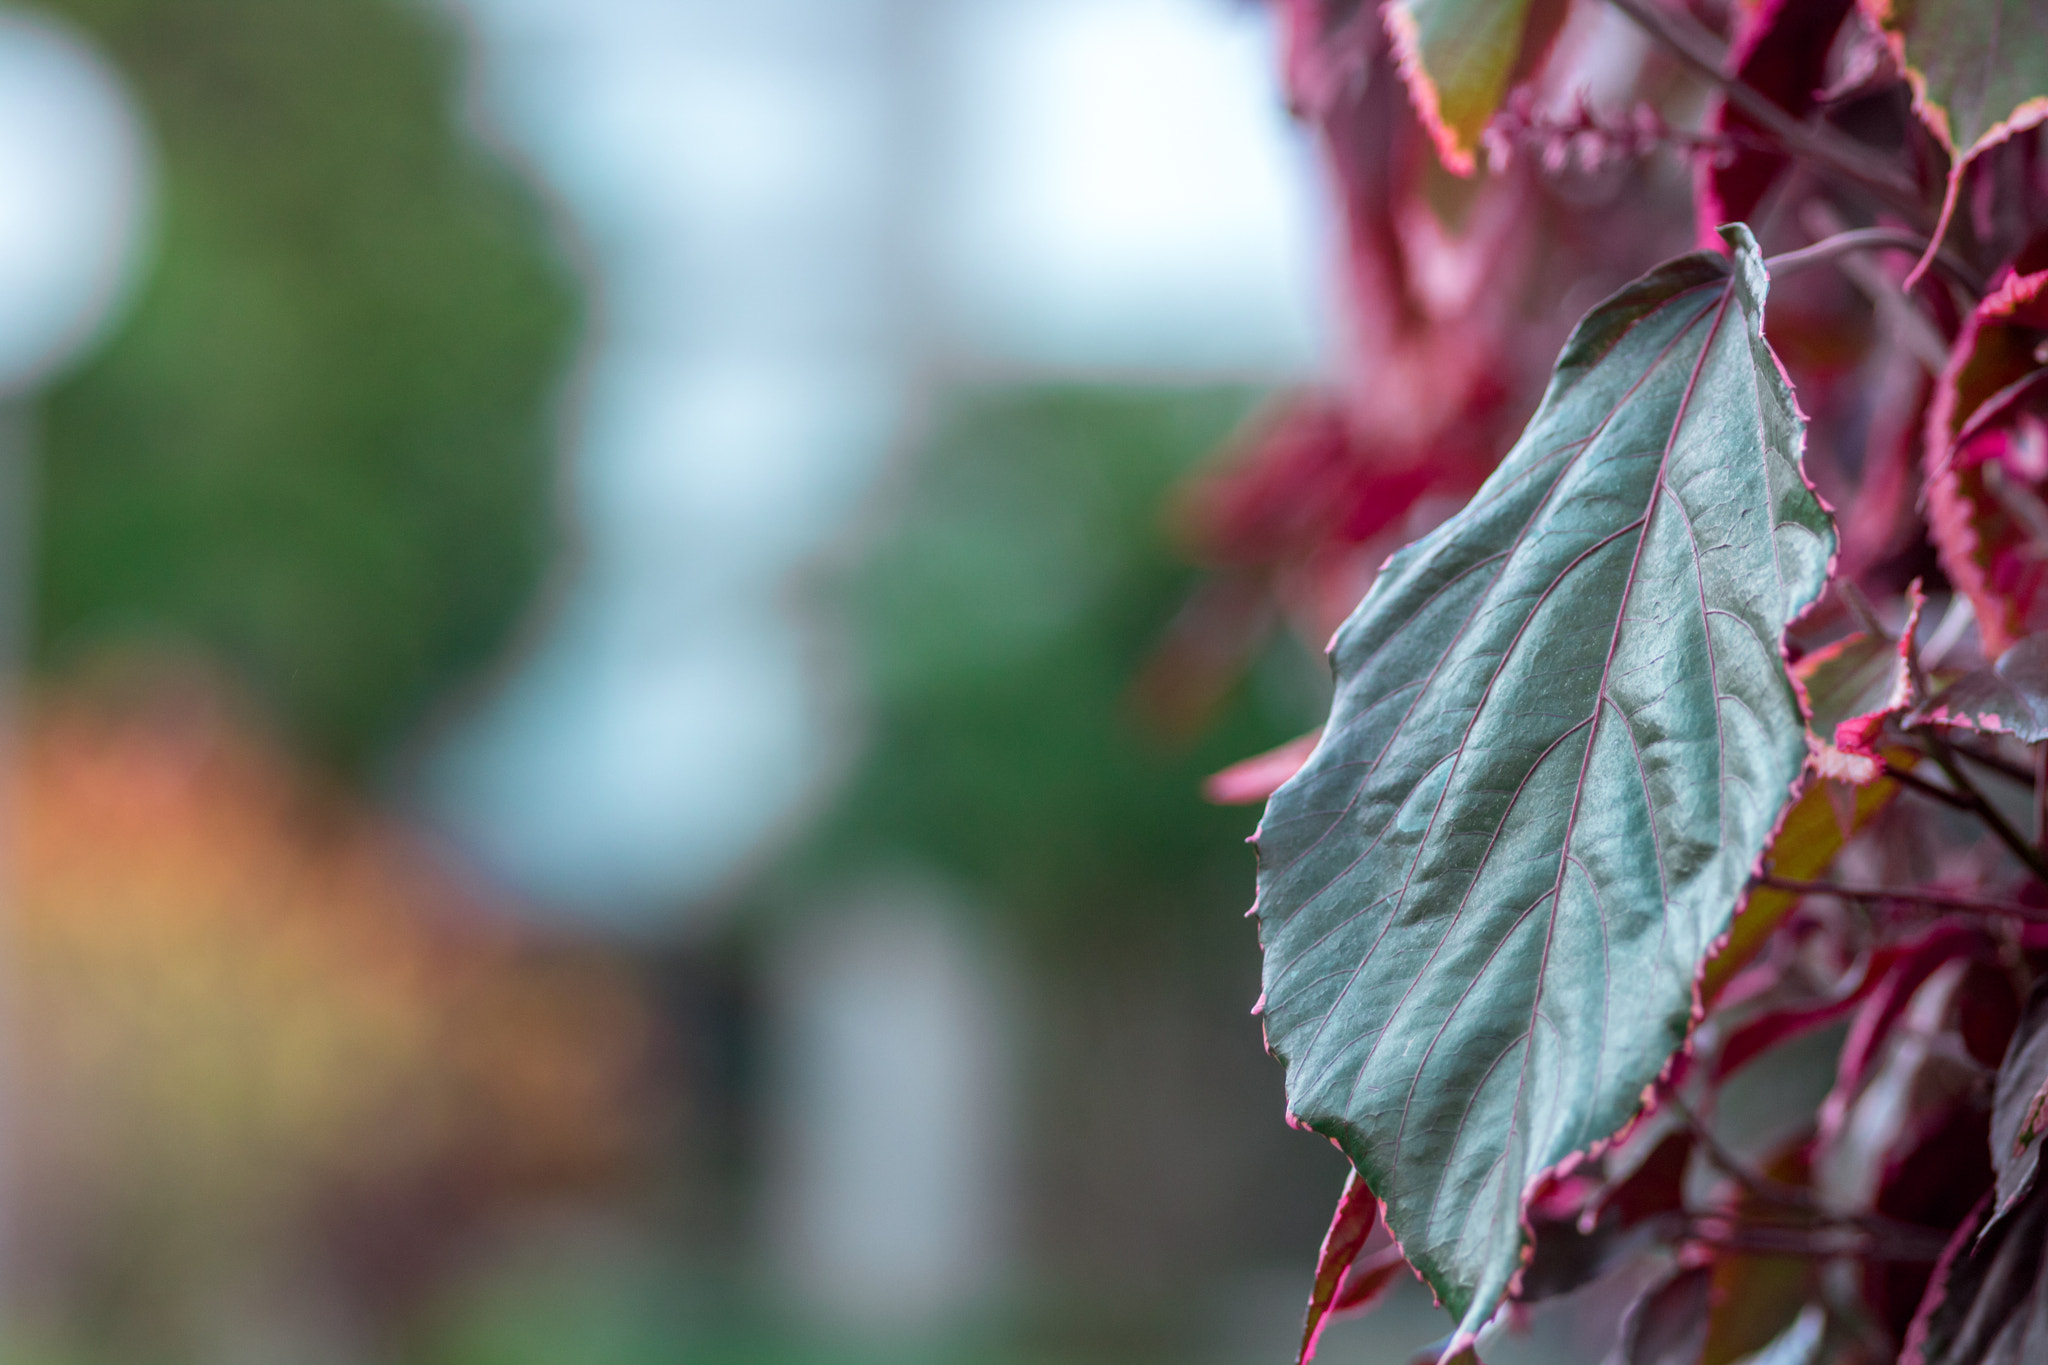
(1816,1243)
(1700,50)
(1933,900)
(1870,239)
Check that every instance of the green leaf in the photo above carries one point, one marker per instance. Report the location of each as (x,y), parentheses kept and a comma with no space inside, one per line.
(1562,735)
(1461,57)
(1979,68)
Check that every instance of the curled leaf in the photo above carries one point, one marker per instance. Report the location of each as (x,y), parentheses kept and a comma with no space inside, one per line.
(1357,1211)
(1987,462)
(1853,687)
(1979,72)
(1562,737)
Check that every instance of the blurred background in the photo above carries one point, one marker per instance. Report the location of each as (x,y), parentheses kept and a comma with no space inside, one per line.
(609,684)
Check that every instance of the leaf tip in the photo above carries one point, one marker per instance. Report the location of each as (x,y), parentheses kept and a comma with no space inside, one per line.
(1454,147)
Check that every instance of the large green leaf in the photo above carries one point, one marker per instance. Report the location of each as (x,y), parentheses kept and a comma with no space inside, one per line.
(1562,734)
(1979,68)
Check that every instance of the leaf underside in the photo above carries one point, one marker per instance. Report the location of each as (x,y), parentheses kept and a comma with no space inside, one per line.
(1979,68)
(1562,735)
(1460,58)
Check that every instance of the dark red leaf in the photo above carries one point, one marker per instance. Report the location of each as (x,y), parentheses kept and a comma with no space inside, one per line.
(1357,1211)
(1987,1300)
(1987,462)
(1367,1282)
(1895,975)
(1589,1228)
(2019,1111)
(1781,51)
(1905,1132)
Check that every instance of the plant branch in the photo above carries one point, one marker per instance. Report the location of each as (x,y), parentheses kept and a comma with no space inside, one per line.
(1716,1230)
(1755,1184)
(1914,782)
(1841,244)
(1996,763)
(1700,50)
(1933,900)
(1938,748)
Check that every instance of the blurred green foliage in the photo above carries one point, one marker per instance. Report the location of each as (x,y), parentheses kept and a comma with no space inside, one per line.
(319,449)
(1023,579)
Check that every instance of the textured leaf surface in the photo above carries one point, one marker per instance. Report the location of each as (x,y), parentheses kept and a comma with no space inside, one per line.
(1562,735)
(1987,462)
(1460,59)
(1979,68)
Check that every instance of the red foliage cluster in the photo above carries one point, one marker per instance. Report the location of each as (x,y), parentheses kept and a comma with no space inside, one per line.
(1902,1214)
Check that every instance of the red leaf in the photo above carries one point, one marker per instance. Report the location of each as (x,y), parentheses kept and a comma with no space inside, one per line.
(1367,1283)
(1254,779)
(1987,462)
(1858,733)
(1936,1297)
(1782,52)
(1761,1034)
(1583,1229)
(1296,481)
(1357,1211)
(1853,686)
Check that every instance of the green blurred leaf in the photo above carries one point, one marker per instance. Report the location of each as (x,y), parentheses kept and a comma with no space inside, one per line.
(321,449)
(1022,579)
